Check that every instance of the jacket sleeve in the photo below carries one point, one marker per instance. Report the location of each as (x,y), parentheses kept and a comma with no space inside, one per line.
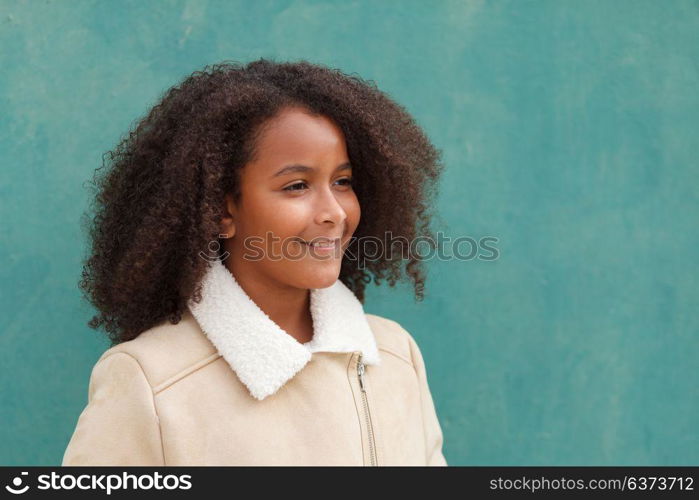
(119,425)
(433,431)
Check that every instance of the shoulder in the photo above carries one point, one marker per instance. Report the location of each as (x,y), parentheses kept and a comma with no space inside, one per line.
(167,351)
(392,338)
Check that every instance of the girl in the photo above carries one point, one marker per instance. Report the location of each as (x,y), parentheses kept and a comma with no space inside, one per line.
(228,266)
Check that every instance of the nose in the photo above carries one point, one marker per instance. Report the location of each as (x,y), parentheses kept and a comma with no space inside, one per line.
(329,209)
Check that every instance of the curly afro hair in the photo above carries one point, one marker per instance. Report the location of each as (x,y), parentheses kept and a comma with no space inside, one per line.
(158,199)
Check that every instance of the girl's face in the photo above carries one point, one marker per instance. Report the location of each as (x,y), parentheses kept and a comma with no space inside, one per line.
(297,190)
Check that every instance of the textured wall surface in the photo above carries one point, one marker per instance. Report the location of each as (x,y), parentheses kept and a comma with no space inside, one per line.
(569,131)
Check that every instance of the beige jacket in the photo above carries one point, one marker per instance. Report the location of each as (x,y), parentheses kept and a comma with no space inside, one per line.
(227,386)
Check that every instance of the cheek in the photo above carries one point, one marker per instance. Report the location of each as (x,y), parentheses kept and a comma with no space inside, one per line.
(282,219)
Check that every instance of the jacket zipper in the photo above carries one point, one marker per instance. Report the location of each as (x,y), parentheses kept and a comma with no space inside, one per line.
(367,415)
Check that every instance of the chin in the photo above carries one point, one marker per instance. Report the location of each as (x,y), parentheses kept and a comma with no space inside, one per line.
(321,278)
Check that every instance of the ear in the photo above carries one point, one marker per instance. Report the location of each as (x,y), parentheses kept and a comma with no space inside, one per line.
(230,214)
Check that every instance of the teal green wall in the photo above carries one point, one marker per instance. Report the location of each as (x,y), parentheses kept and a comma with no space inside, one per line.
(569,131)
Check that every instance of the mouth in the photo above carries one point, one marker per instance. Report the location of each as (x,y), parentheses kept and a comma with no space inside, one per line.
(322,243)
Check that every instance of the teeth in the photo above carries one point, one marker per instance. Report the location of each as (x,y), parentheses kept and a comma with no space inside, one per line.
(326,244)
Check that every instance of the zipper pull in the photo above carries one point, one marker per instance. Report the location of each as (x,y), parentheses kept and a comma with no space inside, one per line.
(360,372)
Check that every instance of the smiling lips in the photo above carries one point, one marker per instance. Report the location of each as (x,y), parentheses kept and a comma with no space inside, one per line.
(321,241)
(324,245)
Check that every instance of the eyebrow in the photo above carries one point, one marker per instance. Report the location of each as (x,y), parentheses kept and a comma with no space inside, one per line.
(289,169)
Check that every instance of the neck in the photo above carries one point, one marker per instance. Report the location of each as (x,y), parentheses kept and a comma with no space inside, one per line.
(287,306)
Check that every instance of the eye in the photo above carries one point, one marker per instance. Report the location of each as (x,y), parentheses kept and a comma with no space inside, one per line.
(293,186)
(299,186)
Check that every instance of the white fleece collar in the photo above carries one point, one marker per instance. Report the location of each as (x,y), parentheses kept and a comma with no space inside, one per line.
(263,355)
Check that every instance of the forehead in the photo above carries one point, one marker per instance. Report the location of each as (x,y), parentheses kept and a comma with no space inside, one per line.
(294,135)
